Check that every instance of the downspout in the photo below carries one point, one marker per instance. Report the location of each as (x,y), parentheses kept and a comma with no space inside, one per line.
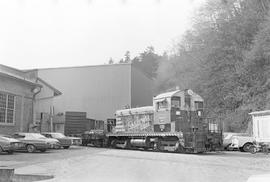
(36,91)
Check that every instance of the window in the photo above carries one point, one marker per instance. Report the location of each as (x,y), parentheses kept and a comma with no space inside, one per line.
(162,104)
(18,136)
(187,100)
(7,108)
(198,105)
(176,102)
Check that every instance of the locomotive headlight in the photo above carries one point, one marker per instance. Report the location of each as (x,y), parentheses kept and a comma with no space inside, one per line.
(178,113)
(199,113)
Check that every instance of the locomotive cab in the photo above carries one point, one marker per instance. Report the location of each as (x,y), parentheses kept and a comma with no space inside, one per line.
(181,111)
(177,111)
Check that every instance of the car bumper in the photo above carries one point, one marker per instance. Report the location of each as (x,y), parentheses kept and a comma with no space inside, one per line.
(65,142)
(53,146)
(76,142)
(8,148)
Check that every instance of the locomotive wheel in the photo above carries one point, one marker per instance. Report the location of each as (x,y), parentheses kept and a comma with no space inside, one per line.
(113,144)
(156,147)
(179,148)
(127,144)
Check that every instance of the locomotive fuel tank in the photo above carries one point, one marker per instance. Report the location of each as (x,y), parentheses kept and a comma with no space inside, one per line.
(138,142)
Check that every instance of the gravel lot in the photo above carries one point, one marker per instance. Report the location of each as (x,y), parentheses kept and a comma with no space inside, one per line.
(98,164)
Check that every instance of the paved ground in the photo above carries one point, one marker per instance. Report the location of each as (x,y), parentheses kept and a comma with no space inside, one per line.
(97,164)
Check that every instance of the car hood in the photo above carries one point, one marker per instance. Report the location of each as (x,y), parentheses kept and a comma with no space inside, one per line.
(74,138)
(10,139)
(51,140)
(31,140)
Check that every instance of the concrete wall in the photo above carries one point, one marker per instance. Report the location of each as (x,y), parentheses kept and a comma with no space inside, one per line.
(97,90)
(23,104)
(141,89)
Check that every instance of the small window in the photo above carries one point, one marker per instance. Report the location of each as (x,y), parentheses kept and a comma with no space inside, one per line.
(176,102)
(7,108)
(198,105)
(162,104)
(187,101)
(18,136)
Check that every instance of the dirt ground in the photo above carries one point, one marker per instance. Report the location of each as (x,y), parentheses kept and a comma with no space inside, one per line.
(98,164)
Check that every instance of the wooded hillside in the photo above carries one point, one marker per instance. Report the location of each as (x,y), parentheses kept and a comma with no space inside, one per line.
(225,57)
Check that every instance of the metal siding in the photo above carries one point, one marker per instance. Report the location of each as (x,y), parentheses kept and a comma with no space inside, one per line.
(141,89)
(75,122)
(97,90)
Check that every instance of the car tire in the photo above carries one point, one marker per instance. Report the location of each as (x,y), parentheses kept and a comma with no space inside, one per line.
(10,152)
(227,147)
(42,150)
(66,147)
(246,147)
(30,148)
(252,149)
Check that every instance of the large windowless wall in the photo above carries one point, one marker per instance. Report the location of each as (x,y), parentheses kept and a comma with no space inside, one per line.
(141,89)
(97,90)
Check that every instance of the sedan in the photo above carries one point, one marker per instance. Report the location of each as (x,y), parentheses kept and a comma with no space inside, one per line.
(52,143)
(65,141)
(31,142)
(9,145)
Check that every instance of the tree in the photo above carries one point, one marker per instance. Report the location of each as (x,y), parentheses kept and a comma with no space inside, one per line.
(212,59)
(147,62)
(111,61)
(127,57)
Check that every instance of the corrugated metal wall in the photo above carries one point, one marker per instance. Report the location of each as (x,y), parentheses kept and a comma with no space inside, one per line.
(141,89)
(97,90)
(75,123)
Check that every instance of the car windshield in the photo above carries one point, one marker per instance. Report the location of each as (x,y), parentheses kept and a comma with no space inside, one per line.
(228,136)
(58,135)
(35,135)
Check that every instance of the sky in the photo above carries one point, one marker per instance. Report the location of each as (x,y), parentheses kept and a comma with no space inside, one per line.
(62,33)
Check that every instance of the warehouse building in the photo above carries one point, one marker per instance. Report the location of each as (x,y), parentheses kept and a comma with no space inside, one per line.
(98,90)
(19,91)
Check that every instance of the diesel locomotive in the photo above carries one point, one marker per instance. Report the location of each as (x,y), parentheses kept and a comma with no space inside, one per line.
(176,122)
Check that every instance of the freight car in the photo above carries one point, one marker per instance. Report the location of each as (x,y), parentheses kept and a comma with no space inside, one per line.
(175,122)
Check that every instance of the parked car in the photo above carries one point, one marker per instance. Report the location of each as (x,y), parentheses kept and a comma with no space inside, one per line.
(227,138)
(65,141)
(243,143)
(32,142)
(9,145)
(53,143)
